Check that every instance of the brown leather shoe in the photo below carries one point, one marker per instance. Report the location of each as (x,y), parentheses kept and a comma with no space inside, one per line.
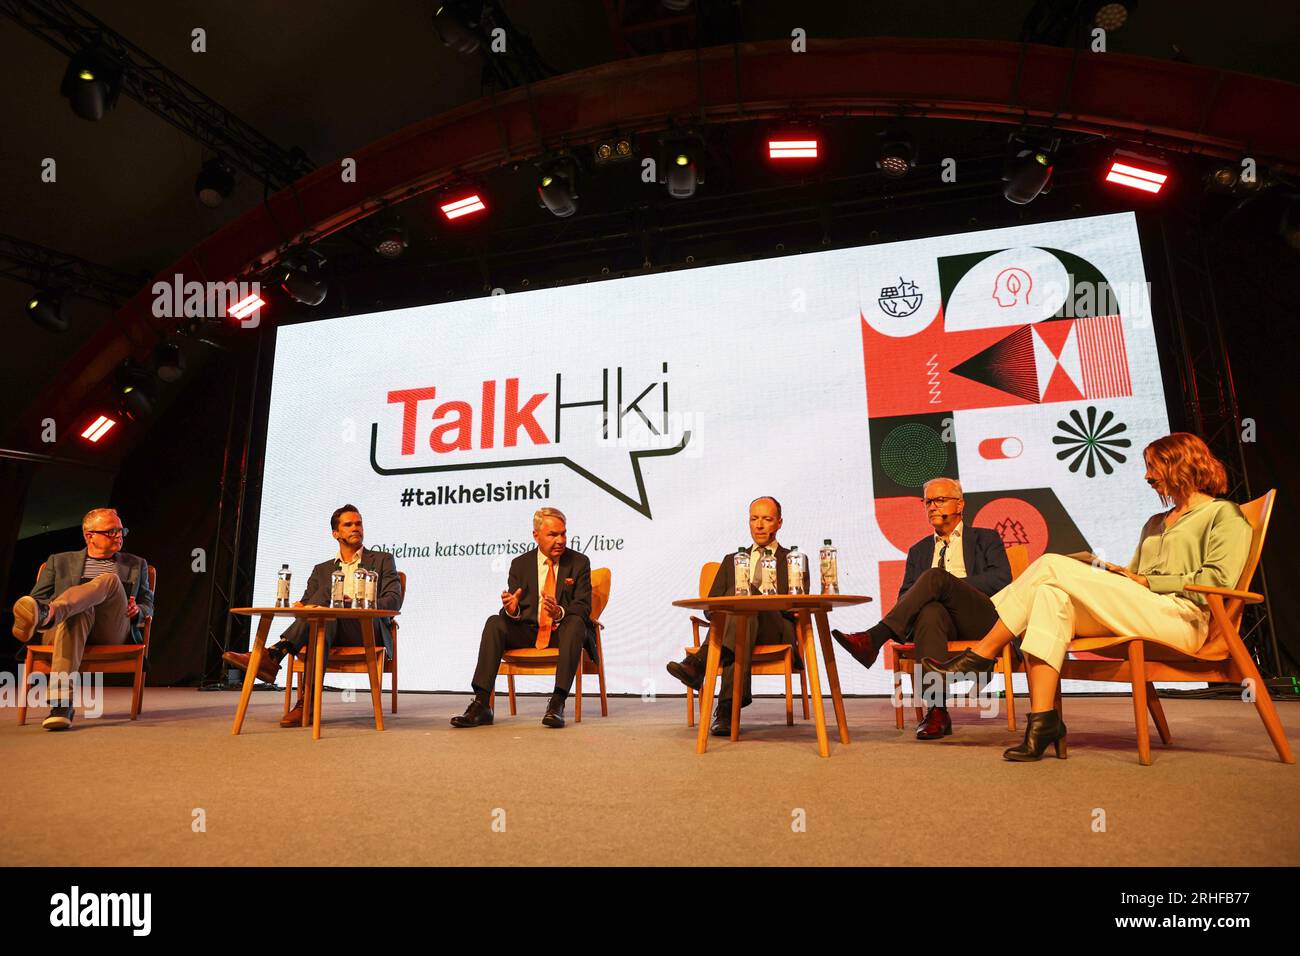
(861,644)
(935,725)
(294,717)
(268,668)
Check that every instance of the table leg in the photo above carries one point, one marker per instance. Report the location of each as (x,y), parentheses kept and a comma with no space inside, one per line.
(318,683)
(810,668)
(714,654)
(250,675)
(376,695)
(738,671)
(824,632)
(308,685)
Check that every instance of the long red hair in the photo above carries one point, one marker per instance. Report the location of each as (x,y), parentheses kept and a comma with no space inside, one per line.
(1186,465)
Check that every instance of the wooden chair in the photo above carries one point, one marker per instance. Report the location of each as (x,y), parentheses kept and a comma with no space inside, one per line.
(526,661)
(769,659)
(904,654)
(1222,658)
(97,658)
(350,660)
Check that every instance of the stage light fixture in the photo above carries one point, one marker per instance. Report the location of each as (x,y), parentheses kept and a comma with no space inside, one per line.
(461,204)
(390,241)
(47,310)
(1111,15)
(134,392)
(98,428)
(896,154)
(169,362)
(455,26)
(681,166)
(301,279)
(215,183)
(246,306)
(1028,168)
(615,150)
(1221,179)
(91,83)
(792,147)
(1135,171)
(557,187)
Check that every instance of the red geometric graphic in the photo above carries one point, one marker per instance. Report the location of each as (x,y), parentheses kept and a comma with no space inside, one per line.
(902,521)
(1017,521)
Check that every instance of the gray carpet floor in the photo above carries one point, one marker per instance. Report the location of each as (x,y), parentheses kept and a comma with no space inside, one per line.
(176,788)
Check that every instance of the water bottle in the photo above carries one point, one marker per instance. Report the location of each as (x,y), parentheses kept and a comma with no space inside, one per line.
(742,571)
(282,586)
(359,578)
(830,569)
(767,574)
(372,587)
(336,589)
(796,570)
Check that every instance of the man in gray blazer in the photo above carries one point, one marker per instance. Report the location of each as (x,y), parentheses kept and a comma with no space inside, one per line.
(98,595)
(346,528)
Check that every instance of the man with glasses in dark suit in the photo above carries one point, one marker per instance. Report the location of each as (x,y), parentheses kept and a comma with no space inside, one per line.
(98,595)
(950,576)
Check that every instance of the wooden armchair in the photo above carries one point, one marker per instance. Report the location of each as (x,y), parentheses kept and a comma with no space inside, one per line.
(1223,657)
(904,655)
(770,659)
(525,661)
(98,658)
(350,660)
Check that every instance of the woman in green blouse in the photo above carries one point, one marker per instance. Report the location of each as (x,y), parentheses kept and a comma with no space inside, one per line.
(1200,540)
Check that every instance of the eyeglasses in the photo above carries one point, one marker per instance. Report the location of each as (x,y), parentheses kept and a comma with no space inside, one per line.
(931,502)
(109,532)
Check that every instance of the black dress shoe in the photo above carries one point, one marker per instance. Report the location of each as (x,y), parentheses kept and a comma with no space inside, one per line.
(721,726)
(935,725)
(967,662)
(1040,730)
(554,715)
(689,671)
(476,715)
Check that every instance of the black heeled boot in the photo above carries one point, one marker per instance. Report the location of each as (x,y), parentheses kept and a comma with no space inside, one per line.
(1040,730)
(967,662)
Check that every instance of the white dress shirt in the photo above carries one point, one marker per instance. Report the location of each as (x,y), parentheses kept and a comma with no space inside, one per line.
(953,561)
(349,568)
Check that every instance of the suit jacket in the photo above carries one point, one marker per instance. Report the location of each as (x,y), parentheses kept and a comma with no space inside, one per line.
(388,591)
(773,627)
(572,590)
(987,569)
(64,570)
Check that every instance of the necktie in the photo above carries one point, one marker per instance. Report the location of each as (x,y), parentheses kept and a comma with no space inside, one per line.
(943,556)
(543,617)
(756,569)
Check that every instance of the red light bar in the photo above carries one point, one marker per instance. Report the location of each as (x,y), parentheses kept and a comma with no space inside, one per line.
(792,149)
(246,306)
(462,207)
(98,428)
(1137,172)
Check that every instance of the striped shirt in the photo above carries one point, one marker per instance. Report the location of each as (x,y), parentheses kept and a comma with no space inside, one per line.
(97,566)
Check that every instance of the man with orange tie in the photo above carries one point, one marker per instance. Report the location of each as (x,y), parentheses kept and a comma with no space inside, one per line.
(546,603)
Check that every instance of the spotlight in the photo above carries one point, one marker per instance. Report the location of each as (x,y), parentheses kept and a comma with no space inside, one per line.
(616,150)
(214,184)
(134,392)
(896,154)
(1028,170)
(557,187)
(456,28)
(245,306)
(47,310)
(390,241)
(1221,179)
(91,83)
(1110,15)
(169,362)
(1137,172)
(301,280)
(98,428)
(679,166)
(458,205)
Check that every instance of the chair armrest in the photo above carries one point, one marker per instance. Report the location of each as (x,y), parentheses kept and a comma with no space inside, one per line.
(699,620)
(1249,597)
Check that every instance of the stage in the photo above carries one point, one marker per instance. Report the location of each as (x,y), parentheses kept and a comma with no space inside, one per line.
(629,789)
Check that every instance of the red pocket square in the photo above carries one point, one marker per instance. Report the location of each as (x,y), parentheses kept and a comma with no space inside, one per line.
(568,580)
